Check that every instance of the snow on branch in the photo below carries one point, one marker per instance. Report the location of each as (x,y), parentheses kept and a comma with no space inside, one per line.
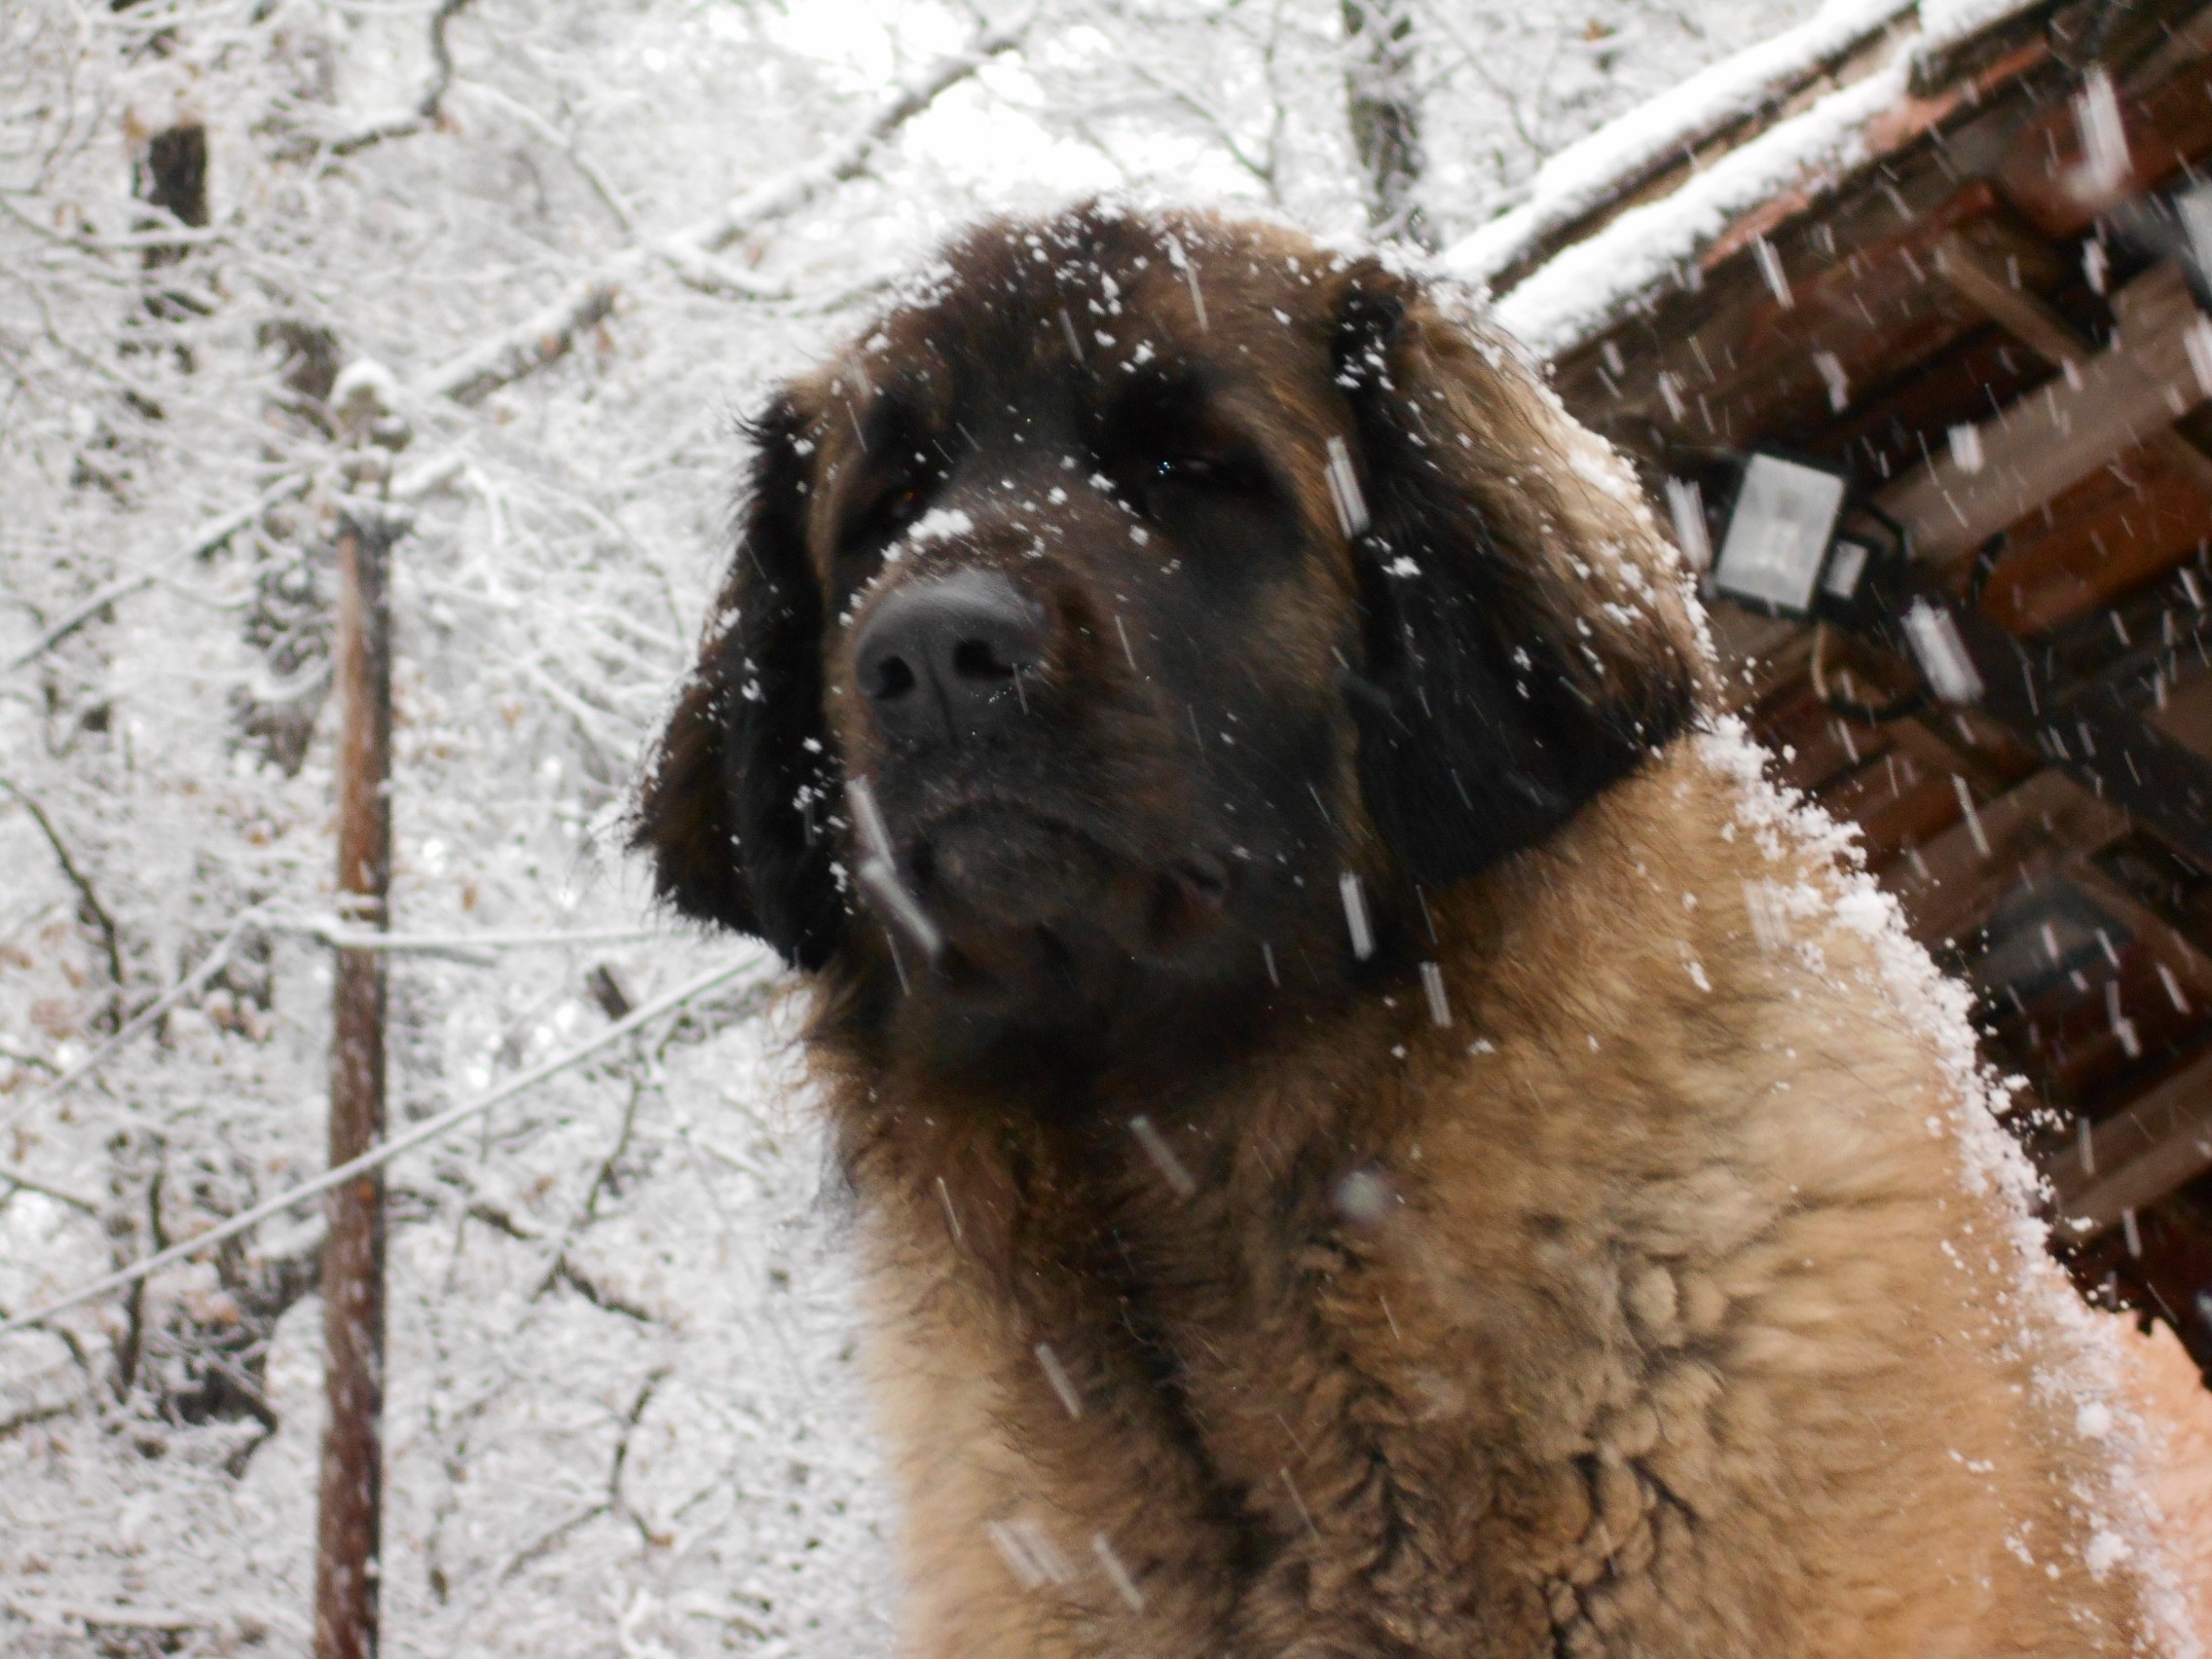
(41,1613)
(197,547)
(329,931)
(548,335)
(429,1129)
(542,338)
(30,1183)
(784,195)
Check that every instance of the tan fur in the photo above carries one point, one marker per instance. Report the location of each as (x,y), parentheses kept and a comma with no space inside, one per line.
(1645,1308)
(1678,1333)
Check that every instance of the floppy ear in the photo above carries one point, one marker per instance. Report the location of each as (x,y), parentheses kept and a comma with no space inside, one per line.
(734,806)
(1528,636)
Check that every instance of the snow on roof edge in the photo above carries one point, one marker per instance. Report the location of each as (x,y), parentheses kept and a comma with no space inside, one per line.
(1590,282)
(1579,177)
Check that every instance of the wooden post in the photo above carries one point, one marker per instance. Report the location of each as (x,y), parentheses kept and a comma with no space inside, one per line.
(348,1528)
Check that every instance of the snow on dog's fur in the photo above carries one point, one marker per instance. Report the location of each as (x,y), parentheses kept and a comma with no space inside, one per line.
(1375,1131)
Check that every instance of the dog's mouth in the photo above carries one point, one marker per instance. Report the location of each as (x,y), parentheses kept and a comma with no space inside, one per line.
(1007,889)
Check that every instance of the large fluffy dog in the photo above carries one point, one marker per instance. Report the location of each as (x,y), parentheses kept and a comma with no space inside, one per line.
(1372,1137)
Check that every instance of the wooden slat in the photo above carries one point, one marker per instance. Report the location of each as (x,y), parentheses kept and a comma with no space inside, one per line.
(1730,354)
(1982,281)
(2128,523)
(1895,804)
(2141,1154)
(1812,745)
(2094,735)
(2167,124)
(1987,285)
(2046,440)
(2026,831)
(2165,943)
(1987,771)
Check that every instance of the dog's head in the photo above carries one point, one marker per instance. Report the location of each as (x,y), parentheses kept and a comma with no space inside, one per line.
(1099,613)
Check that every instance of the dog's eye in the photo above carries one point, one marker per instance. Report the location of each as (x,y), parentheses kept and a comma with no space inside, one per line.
(1213,473)
(1188,469)
(898,505)
(901,507)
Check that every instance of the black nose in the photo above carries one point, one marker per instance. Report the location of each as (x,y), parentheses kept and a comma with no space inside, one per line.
(945,659)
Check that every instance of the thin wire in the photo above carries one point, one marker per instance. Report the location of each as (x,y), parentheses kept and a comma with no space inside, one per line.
(430,1130)
(330,931)
(335,934)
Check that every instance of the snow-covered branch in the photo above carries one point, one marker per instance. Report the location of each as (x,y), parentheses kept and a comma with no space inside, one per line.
(122,587)
(543,337)
(780,197)
(95,907)
(429,1129)
(549,333)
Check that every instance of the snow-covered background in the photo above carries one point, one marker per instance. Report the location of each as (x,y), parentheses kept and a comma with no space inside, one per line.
(623,1417)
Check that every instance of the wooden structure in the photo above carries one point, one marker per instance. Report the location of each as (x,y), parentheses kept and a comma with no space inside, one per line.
(1955,259)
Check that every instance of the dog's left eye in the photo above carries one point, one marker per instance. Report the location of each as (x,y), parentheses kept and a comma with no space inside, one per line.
(1228,473)
(896,508)
(1188,469)
(901,507)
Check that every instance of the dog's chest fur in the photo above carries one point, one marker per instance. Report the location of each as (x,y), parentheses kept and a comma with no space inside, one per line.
(1620,1316)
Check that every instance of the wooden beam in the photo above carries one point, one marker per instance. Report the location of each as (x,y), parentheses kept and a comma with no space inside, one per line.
(2087,728)
(2137,1156)
(2022,834)
(1731,344)
(2165,114)
(1990,289)
(1898,805)
(2166,943)
(1942,742)
(1987,287)
(2039,444)
(2095,542)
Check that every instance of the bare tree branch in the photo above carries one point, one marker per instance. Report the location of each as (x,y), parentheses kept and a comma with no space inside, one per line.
(430,110)
(95,910)
(45,1189)
(613,1504)
(602,186)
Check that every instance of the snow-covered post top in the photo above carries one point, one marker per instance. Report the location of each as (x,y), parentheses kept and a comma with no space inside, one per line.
(364,405)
